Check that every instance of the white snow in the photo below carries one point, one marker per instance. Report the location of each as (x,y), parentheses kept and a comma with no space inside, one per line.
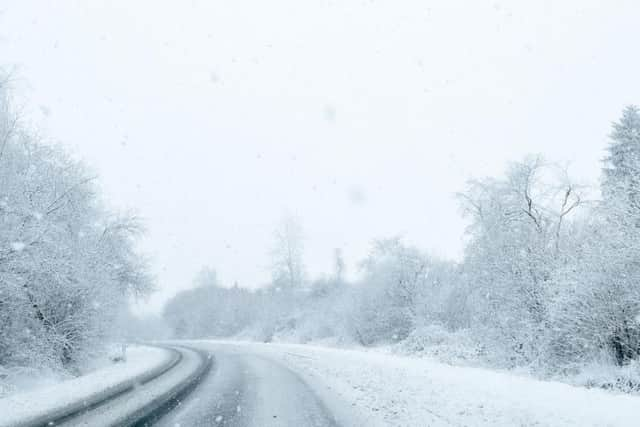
(43,400)
(383,389)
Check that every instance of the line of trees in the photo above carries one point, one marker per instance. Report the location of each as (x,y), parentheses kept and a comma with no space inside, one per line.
(550,276)
(67,265)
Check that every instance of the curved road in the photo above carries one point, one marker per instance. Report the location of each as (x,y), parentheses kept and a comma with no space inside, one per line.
(244,390)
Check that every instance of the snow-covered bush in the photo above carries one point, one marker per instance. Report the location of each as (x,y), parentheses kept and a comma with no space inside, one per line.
(386,309)
(604,373)
(458,347)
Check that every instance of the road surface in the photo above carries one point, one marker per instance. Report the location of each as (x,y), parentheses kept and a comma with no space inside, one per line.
(143,399)
(248,390)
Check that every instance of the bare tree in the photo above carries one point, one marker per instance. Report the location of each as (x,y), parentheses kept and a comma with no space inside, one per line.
(339,266)
(287,265)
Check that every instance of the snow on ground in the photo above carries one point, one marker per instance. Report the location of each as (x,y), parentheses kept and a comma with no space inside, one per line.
(42,400)
(26,378)
(386,389)
(23,379)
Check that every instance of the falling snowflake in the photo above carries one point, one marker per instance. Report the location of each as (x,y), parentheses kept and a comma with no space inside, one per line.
(18,246)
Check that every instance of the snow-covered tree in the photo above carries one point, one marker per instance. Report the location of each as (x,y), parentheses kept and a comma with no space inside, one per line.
(621,171)
(210,309)
(516,242)
(66,265)
(598,309)
(339,266)
(386,306)
(287,263)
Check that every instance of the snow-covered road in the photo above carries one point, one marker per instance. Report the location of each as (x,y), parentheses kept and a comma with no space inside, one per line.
(245,389)
(298,385)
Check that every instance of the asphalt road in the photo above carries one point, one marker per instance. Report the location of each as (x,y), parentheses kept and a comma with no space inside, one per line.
(248,390)
(123,409)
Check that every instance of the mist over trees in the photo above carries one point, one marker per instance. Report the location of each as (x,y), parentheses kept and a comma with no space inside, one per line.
(549,278)
(67,265)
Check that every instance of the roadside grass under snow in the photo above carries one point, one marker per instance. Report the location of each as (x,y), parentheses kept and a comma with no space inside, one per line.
(461,349)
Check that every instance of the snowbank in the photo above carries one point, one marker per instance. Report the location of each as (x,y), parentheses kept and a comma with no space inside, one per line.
(386,390)
(18,408)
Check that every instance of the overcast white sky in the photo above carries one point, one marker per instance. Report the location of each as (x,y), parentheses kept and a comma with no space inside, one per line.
(214,118)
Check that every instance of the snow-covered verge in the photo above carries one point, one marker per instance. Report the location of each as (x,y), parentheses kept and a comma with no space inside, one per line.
(19,379)
(55,398)
(461,348)
(385,389)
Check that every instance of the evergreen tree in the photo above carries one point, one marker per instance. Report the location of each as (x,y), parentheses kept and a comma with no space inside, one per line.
(621,172)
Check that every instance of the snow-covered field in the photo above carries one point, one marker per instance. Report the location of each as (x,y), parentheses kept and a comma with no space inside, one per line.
(384,389)
(44,400)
